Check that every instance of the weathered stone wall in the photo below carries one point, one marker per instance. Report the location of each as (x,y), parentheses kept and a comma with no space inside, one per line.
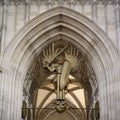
(105,15)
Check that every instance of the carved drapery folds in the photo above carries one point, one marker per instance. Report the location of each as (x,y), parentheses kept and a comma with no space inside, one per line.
(62,58)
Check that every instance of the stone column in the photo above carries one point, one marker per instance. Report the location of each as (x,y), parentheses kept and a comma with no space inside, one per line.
(117,17)
(118,33)
(3,37)
(82,3)
(4,26)
(27,10)
(16,11)
(1,92)
(94,11)
(106,28)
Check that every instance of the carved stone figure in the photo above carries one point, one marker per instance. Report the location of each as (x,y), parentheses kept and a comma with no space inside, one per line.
(66,61)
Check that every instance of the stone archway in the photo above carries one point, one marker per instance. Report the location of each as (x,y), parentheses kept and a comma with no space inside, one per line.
(60,23)
(39,79)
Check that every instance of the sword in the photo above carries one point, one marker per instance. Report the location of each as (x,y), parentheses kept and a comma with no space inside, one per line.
(58,53)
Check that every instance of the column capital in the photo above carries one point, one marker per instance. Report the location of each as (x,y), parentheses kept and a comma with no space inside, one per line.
(5,2)
(27,1)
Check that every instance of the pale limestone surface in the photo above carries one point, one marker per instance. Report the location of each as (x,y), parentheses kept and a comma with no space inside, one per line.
(104,15)
(100,48)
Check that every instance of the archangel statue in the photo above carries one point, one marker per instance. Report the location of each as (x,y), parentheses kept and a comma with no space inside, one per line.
(63,61)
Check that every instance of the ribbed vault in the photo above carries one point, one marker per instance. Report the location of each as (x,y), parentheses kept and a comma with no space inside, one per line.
(38,78)
(62,24)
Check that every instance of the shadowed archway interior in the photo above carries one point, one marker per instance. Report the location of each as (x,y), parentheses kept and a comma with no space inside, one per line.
(40,84)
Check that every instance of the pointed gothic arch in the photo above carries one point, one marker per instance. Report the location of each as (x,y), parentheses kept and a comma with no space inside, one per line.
(61,23)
